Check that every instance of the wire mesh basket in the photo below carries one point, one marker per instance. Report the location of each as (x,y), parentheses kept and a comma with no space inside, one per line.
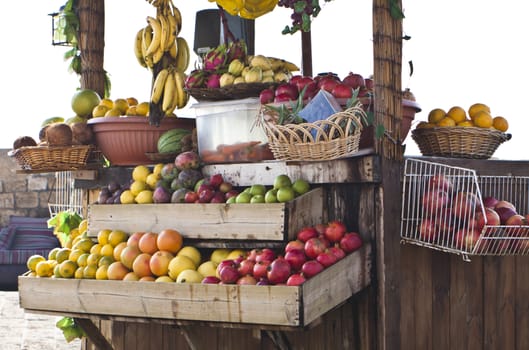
(454,210)
(66,196)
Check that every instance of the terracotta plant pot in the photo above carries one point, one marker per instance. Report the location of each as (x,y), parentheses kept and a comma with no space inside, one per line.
(125,140)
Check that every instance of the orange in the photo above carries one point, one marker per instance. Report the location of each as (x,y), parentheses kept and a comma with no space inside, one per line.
(477,107)
(436,115)
(169,240)
(465,122)
(482,119)
(446,121)
(500,123)
(457,113)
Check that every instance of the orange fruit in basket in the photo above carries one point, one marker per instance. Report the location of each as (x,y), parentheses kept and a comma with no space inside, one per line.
(436,115)
(457,113)
(482,119)
(466,122)
(446,121)
(477,107)
(500,123)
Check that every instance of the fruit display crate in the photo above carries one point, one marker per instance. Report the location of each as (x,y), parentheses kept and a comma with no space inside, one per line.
(454,210)
(210,221)
(293,306)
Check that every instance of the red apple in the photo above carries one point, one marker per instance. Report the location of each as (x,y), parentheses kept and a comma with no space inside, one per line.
(218,197)
(206,195)
(215,180)
(433,200)
(335,231)
(302,82)
(428,231)
(295,279)
(313,247)
(350,242)
(311,268)
(307,233)
(231,193)
(191,197)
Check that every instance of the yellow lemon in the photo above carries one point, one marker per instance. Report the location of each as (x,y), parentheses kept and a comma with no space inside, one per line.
(482,119)
(157,169)
(192,253)
(500,123)
(52,254)
(140,172)
(446,121)
(477,107)
(465,122)
(189,276)
(235,254)
(82,259)
(102,236)
(131,111)
(67,268)
(436,115)
(152,179)
(113,112)
(144,197)
(107,250)
(142,109)
(106,102)
(99,111)
(137,186)
(126,197)
(83,226)
(75,254)
(89,271)
(93,259)
(79,272)
(132,101)
(116,237)
(164,278)
(122,105)
(207,268)
(456,113)
(33,261)
(84,244)
(178,264)
(101,272)
(63,254)
(96,249)
(43,269)
(57,271)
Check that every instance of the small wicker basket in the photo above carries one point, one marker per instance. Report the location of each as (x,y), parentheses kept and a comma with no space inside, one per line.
(459,142)
(335,137)
(51,158)
(231,92)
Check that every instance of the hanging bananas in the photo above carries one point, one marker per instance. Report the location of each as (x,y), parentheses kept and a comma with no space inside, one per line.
(168,88)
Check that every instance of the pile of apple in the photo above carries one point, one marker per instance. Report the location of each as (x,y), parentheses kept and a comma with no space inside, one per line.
(314,249)
(460,217)
(330,82)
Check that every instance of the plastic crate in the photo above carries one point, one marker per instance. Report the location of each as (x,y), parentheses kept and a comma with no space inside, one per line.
(443,209)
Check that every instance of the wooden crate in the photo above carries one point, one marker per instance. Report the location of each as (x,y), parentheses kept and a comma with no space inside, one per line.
(259,221)
(259,305)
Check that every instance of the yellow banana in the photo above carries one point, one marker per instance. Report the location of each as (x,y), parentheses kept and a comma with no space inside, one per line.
(147,39)
(156,35)
(169,92)
(171,108)
(177,15)
(182,55)
(171,20)
(181,94)
(164,25)
(158,85)
(173,50)
(138,48)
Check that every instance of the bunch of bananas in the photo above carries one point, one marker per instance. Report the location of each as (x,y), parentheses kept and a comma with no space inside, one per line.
(249,9)
(159,48)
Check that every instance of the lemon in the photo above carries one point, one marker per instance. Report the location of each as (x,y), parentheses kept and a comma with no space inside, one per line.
(131,111)
(500,123)
(436,115)
(126,197)
(83,226)
(102,236)
(137,186)
(152,179)
(178,264)
(84,244)
(219,254)
(101,272)
(52,254)
(477,107)
(132,101)
(82,259)
(75,254)
(106,102)
(446,121)
(192,253)
(79,272)
(96,249)
(140,173)
(116,237)
(33,261)
(189,276)
(235,254)
(457,113)
(93,259)
(142,109)
(100,111)
(207,268)
(63,254)
(44,269)
(113,112)
(482,119)
(67,268)
(105,260)
(57,271)
(89,271)
(144,197)
(122,105)
(107,250)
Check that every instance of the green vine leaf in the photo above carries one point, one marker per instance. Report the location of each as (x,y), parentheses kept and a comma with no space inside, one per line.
(379,131)
(395,10)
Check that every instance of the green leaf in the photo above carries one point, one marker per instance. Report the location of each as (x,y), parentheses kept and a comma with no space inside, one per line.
(379,131)
(299,6)
(305,22)
(395,10)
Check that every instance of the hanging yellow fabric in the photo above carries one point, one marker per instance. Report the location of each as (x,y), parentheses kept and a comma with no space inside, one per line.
(249,9)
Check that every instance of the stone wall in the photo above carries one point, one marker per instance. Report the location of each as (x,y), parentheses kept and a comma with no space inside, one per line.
(23,194)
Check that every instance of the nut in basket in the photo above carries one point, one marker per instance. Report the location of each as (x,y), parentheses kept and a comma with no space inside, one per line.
(334,137)
(54,158)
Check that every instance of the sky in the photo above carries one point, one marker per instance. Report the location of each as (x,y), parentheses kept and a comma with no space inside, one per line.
(463,52)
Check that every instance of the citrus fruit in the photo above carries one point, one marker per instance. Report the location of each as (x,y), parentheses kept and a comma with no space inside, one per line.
(106,102)
(282,180)
(67,268)
(52,254)
(43,269)
(500,123)
(477,107)
(118,249)
(157,170)
(93,259)
(117,271)
(137,186)
(126,197)
(116,237)
(130,276)
(89,271)
(465,122)
(144,197)
(113,112)
(96,249)
(285,194)
(100,111)
(189,276)
(131,111)
(75,254)
(192,253)
(140,172)
(63,254)
(82,260)
(122,105)
(169,240)
(105,260)
(101,272)
(84,244)
(456,113)
(482,119)
(132,101)
(79,273)
(207,268)
(164,279)
(84,101)
(300,186)
(57,271)
(152,180)
(142,109)
(102,236)
(33,261)
(436,115)
(159,262)
(107,250)
(178,264)
(446,121)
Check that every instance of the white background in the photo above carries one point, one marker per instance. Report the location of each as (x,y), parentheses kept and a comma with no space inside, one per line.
(462,52)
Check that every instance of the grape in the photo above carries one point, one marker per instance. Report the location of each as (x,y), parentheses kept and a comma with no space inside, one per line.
(302,13)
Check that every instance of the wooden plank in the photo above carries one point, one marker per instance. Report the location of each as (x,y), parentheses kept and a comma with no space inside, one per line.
(521,310)
(423,299)
(267,305)
(94,334)
(263,221)
(408,278)
(440,300)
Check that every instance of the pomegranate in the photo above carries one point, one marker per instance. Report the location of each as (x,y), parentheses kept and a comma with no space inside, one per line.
(313,247)
(260,269)
(350,242)
(229,274)
(335,231)
(266,254)
(246,280)
(354,80)
(278,271)
(296,258)
(327,258)
(246,267)
(295,279)
(337,251)
(311,268)
(294,245)
(266,96)
(210,280)
(307,233)
(287,89)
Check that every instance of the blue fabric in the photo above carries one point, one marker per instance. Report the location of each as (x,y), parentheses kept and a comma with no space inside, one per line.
(6,238)
(33,238)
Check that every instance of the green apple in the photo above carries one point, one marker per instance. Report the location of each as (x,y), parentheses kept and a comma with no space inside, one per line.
(270,196)
(282,181)
(285,194)
(243,197)
(300,186)
(257,190)
(258,198)
(247,190)
(231,200)
(198,183)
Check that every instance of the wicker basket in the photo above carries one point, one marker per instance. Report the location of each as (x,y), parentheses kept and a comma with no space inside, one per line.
(51,158)
(459,142)
(335,137)
(231,92)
